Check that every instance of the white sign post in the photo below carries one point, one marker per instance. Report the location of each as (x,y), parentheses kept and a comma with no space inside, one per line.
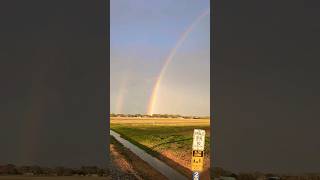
(198,139)
(197,153)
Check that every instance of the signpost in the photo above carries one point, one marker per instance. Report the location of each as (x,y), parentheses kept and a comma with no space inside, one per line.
(197,153)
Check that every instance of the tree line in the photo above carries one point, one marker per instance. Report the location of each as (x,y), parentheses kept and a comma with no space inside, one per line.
(159,116)
(10,169)
(219,173)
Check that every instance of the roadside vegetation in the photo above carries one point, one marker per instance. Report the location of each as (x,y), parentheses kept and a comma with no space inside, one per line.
(169,139)
(11,171)
(130,164)
(222,174)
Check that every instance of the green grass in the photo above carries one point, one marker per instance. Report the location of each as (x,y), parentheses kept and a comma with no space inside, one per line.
(170,140)
(155,139)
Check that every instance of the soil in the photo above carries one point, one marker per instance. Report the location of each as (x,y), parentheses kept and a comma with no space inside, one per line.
(129,165)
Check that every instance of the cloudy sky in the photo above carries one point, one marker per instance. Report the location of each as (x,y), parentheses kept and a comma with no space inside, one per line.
(143,34)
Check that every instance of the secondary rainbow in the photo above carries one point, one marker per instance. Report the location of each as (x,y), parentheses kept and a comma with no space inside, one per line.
(183,36)
(121,94)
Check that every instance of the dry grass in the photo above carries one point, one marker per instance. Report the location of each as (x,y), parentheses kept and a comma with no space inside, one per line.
(160,121)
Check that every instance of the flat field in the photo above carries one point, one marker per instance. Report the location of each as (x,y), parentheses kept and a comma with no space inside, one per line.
(169,139)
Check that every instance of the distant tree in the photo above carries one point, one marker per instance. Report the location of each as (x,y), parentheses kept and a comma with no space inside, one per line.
(138,115)
(24,169)
(63,171)
(246,176)
(90,169)
(175,116)
(156,115)
(11,169)
(68,172)
(93,169)
(79,172)
(2,169)
(8,169)
(120,115)
(258,175)
(101,172)
(47,171)
(36,170)
(59,170)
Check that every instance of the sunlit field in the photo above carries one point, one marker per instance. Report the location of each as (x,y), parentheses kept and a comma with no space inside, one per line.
(169,139)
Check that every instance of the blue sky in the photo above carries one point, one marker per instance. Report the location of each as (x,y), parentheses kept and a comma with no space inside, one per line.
(143,32)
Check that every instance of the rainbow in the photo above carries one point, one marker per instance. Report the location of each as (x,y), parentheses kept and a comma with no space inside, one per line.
(183,36)
(121,94)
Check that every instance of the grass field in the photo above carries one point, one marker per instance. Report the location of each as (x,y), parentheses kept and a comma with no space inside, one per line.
(166,138)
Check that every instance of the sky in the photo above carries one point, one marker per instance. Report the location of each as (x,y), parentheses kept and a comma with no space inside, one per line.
(142,35)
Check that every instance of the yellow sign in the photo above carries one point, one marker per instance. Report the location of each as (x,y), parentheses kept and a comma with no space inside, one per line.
(197,164)
(198,150)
